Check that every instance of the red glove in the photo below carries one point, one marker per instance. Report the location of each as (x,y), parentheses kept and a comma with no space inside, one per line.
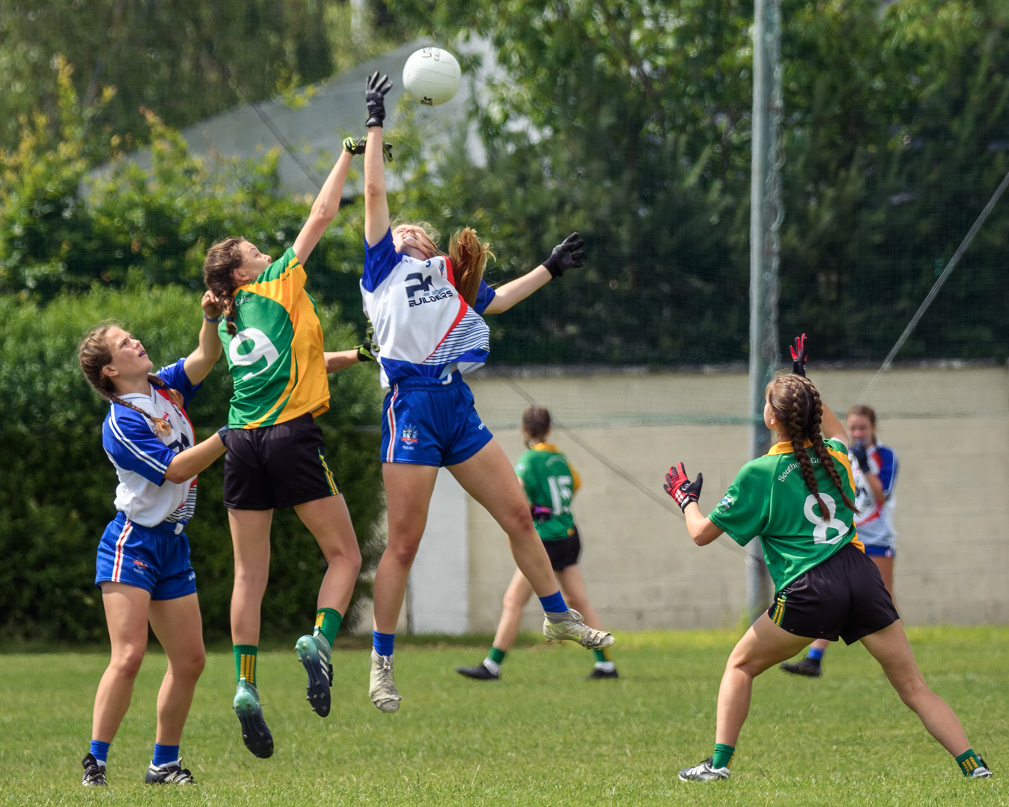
(679,486)
(798,349)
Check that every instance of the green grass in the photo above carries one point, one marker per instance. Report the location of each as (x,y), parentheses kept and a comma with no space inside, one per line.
(541,736)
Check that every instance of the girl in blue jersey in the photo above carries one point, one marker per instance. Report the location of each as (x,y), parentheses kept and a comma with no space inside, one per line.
(874,467)
(798,499)
(426,310)
(143,566)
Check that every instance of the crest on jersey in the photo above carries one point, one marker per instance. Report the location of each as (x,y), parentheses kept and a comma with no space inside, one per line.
(408,435)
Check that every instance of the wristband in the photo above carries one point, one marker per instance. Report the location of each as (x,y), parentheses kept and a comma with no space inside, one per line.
(223,434)
(213,321)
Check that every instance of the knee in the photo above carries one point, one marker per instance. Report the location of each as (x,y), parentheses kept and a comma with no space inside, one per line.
(126,661)
(516,520)
(189,665)
(514,602)
(402,553)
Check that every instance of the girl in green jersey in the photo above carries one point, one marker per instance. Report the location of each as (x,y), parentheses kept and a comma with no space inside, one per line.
(550,484)
(798,500)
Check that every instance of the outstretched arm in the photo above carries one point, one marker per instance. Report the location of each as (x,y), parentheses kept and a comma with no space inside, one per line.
(568,254)
(515,291)
(199,363)
(324,209)
(376,204)
(187,464)
(831,427)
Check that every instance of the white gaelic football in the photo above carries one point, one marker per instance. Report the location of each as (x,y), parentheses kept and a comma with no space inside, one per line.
(432,76)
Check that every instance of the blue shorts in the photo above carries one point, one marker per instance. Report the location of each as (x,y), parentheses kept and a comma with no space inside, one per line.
(151,558)
(879,551)
(426,422)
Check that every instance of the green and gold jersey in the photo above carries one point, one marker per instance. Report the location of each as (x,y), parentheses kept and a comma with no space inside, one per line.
(276,358)
(769,500)
(549,482)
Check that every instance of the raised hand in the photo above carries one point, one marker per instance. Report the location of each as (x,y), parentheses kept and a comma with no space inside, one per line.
(567,254)
(357,145)
(861,455)
(679,486)
(375,90)
(798,350)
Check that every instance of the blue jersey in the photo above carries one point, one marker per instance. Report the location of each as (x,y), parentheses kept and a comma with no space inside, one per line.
(141,457)
(423,327)
(873,519)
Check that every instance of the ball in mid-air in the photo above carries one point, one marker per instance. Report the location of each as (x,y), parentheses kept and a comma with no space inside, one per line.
(432,76)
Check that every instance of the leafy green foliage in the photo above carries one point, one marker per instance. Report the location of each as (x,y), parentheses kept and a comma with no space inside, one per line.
(631,123)
(58,485)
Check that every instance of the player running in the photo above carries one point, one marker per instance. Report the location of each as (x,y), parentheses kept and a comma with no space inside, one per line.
(550,484)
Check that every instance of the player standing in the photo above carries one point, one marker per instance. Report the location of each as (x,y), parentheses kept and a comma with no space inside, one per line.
(143,566)
(874,466)
(798,499)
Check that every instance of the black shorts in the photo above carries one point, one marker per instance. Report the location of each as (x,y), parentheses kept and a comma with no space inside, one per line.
(842,597)
(564,552)
(277,466)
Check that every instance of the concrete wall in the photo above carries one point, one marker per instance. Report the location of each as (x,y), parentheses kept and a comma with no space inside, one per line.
(950,428)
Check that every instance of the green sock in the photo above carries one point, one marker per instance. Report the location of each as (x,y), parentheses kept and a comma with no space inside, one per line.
(968,762)
(495,655)
(245,662)
(722,756)
(328,621)
(601,655)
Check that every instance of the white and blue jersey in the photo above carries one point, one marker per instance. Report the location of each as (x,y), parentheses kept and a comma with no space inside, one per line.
(141,457)
(423,327)
(874,520)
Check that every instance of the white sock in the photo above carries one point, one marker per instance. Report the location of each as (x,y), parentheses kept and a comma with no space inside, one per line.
(493,666)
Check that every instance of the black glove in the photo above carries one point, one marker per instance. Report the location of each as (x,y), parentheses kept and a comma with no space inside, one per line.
(798,350)
(374,96)
(566,255)
(356,145)
(223,434)
(861,455)
(679,486)
(366,350)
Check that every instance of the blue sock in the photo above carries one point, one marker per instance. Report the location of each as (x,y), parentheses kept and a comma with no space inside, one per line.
(384,643)
(815,654)
(554,604)
(164,754)
(100,750)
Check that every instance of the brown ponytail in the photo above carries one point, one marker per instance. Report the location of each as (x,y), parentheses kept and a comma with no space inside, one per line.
(536,423)
(469,258)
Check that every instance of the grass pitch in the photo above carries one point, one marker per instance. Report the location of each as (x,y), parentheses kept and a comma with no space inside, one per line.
(541,736)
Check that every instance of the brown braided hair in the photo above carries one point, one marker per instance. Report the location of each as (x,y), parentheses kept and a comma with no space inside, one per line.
(223,258)
(797,406)
(466,251)
(536,423)
(94,354)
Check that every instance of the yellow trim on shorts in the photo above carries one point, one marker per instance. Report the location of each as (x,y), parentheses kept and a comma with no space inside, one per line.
(778,615)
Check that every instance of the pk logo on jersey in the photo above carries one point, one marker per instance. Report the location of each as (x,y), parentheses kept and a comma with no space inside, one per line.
(423,284)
